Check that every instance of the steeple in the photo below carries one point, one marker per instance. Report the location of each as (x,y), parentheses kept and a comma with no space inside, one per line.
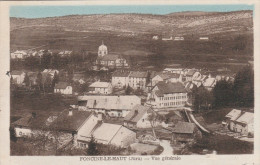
(102,50)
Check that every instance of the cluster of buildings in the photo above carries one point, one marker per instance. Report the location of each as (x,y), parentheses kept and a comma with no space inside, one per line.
(22,54)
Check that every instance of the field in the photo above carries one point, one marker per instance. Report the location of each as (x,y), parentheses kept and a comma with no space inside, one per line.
(229,52)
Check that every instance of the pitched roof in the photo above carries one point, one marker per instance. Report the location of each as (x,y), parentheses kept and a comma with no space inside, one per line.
(17,72)
(137,113)
(165,88)
(183,127)
(246,118)
(72,123)
(234,114)
(39,121)
(138,74)
(106,132)
(61,85)
(111,102)
(191,72)
(121,73)
(209,82)
(99,84)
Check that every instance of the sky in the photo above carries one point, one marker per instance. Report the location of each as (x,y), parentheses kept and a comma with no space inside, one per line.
(52,11)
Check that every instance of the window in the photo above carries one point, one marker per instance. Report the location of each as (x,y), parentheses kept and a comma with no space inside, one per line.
(20,133)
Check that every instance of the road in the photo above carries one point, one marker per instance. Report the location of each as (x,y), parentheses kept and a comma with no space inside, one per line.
(167,148)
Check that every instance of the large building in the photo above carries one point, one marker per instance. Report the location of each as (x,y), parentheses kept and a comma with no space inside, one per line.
(120,78)
(114,106)
(100,88)
(138,79)
(167,95)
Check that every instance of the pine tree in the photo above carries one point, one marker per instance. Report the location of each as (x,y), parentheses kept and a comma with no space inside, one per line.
(26,80)
(92,147)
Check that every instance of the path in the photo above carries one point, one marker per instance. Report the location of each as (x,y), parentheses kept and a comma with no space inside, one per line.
(192,118)
(167,148)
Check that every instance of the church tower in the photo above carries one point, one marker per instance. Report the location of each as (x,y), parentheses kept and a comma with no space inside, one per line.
(102,50)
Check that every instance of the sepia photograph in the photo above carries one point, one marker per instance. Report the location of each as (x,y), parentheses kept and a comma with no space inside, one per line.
(131,80)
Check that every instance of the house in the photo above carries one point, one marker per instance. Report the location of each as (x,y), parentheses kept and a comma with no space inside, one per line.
(137,79)
(100,88)
(113,106)
(63,88)
(183,132)
(102,50)
(120,78)
(138,117)
(210,83)
(231,117)
(174,70)
(167,38)
(113,134)
(18,77)
(167,95)
(32,78)
(245,124)
(161,76)
(19,54)
(192,74)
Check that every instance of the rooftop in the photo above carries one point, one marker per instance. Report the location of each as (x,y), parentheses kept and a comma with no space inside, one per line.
(61,85)
(246,118)
(138,74)
(234,114)
(184,127)
(106,132)
(99,84)
(165,88)
(137,113)
(120,73)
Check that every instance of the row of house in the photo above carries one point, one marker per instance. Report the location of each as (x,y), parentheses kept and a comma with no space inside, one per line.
(22,54)
(74,127)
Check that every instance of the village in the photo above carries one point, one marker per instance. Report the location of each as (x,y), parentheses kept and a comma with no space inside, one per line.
(121,109)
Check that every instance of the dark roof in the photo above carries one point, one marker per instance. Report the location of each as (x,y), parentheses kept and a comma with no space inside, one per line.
(184,127)
(109,57)
(169,87)
(16,72)
(191,73)
(61,85)
(72,123)
(138,74)
(166,76)
(137,113)
(37,121)
(120,73)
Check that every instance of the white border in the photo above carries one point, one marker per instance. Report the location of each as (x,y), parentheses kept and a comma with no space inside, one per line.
(5,158)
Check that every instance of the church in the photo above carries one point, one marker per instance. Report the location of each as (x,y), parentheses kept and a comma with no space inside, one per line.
(110,61)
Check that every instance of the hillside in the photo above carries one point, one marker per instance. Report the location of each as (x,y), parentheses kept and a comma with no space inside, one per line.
(184,23)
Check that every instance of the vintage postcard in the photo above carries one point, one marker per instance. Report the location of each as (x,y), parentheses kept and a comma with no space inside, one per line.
(120,82)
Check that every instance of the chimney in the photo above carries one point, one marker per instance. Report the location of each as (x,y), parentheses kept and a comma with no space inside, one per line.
(100,116)
(70,112)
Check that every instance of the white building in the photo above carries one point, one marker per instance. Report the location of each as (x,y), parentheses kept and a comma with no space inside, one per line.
(167,95)
(114,106)
(120,78)
(204,38)
(138,117)
(63,88)
(51,72)
(137,79)
(178,38)
(18,54)
(18,77)
(102,50)
(100,88)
